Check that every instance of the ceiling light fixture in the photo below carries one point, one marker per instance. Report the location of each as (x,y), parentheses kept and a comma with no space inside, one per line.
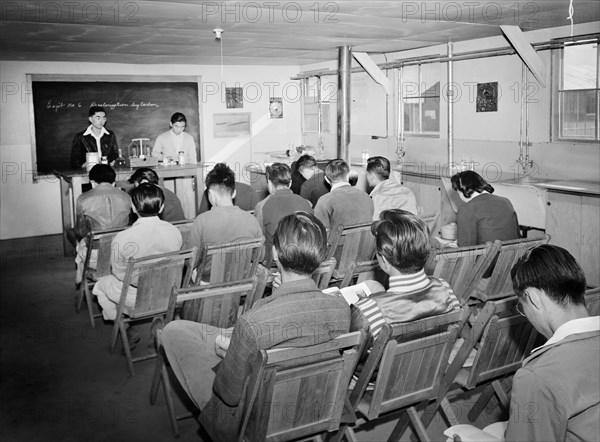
(219,36)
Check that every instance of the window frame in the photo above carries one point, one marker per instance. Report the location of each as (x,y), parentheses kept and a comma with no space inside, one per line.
(421,96)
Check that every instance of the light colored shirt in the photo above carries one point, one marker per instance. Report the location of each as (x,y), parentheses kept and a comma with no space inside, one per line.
(169,145)
(389,194)
(581,325)
(89,131)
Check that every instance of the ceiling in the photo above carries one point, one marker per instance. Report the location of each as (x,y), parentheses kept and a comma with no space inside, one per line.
(258,32)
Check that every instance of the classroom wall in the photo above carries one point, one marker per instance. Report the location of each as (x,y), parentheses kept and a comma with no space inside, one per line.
(30,208)
(491,139)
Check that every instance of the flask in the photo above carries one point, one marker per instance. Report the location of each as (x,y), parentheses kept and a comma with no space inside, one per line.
(181,158)
(120,161)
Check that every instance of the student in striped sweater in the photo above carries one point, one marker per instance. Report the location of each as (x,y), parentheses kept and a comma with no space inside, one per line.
(402,243)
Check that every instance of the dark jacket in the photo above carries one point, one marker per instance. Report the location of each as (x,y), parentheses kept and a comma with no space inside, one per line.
(83,144)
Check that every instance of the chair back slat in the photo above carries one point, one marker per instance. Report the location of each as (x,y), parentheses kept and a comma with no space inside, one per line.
(155,276)
(232,261)
(298,392)
(507,340)
(354,243)
(185,228)
(322,275)
(499,283)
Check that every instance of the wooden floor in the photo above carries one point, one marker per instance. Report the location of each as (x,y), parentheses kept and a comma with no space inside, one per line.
(58,381)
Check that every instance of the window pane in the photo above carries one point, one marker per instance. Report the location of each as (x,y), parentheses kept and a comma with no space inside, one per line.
(578,110)
(579,67)
(410,81)
(430,79)
(411,115)
(430,117)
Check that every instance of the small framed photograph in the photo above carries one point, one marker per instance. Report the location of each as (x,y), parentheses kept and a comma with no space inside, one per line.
(275,107)
(487,97)
(234,97)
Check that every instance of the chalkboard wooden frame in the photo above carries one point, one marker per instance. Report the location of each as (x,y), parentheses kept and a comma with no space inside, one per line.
(87,79)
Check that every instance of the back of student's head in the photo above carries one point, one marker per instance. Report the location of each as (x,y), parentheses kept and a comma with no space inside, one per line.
(305,161)
(337,170)
(279,174)
(552,269)
(147,199)
(403,239)
(178,117)
(144,174)
(221,179)
(301,242)
(468,182)
(380,166)
(102,173)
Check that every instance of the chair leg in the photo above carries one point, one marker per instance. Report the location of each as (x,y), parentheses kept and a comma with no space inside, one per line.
(447,411)
(79,295)
(125,341)
(400,427)
(501,393)
(90,305)
(417,424)
(480,403)
(169,400)
(115,335)
(156,378)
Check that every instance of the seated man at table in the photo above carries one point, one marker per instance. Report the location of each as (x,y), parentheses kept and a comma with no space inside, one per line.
(280,202)
(245,197)
(343,205)
(224,222)
(96,138)
(104,207)
(315,185)
(561,377)
(402,245)
(387,193)
(173,210)
(149,235)
(297,314)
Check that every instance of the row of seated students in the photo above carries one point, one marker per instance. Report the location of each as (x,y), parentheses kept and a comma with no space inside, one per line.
(298,246)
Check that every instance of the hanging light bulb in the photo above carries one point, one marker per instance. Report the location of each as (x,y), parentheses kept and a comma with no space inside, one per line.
(218,35)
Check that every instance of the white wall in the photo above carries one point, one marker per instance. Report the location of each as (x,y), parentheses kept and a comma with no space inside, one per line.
(30,209)
(489,138)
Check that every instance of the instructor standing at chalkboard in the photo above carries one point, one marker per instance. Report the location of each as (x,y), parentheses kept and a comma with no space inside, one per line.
(170,143)
(96,138)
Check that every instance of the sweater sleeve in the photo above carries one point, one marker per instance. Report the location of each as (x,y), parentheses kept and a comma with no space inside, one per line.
(536,413)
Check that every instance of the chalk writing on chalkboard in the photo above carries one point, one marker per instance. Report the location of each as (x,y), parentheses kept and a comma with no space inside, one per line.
(134,109)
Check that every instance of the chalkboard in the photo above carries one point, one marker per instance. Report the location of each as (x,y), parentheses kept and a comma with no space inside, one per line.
(135,109)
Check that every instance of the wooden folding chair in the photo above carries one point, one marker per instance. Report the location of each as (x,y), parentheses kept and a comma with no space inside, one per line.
(99,241)
(499,284)
(298,392)
(232,261)
(156,275)
(216,305)
(185,228)
(350,244)
(409,360)
(322,275)
(592,301)
(358,269)
(463,267)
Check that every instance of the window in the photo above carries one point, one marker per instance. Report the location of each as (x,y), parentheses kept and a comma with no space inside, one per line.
(577,94)
(420,99)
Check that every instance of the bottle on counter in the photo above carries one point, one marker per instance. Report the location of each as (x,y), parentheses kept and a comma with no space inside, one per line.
(181,157)
(120,161)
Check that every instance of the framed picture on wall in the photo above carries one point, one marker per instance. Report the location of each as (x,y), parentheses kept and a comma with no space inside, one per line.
(231,125)
(234,97)
(487,97)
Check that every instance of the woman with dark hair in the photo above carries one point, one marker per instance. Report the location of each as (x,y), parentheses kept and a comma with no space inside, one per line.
(484,217)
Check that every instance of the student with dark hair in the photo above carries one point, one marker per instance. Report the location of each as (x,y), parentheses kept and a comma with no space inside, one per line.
(96,138)
(149,235)
(343,205)
(173,210)
(297,314)
(484,217)
(103,207)
(315,185)
(245,197)
(175,140)
(402,246)
(224,222)
(280,202)
(387,193)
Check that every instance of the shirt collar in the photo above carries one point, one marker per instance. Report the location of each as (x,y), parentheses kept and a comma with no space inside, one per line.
(290,288)
(146,219)
(88,131)
(408,283)
(378,186)
(581,325)
(337,185)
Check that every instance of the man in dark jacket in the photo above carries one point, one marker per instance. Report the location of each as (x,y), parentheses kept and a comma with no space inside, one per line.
(96,138)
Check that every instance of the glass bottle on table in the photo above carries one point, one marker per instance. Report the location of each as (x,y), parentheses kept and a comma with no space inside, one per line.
(120,161)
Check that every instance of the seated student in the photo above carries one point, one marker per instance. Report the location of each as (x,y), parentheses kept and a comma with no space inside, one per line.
(315,185)
(224,222)
(343,205)
(484,217)
(387,193)
(556,393)
(173,210)
(280,202)
(103,207)
(297,314)
(402,241)
(149,235)
(245,197)
(297,178)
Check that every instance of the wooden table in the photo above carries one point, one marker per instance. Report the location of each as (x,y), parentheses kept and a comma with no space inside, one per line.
(182,180)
